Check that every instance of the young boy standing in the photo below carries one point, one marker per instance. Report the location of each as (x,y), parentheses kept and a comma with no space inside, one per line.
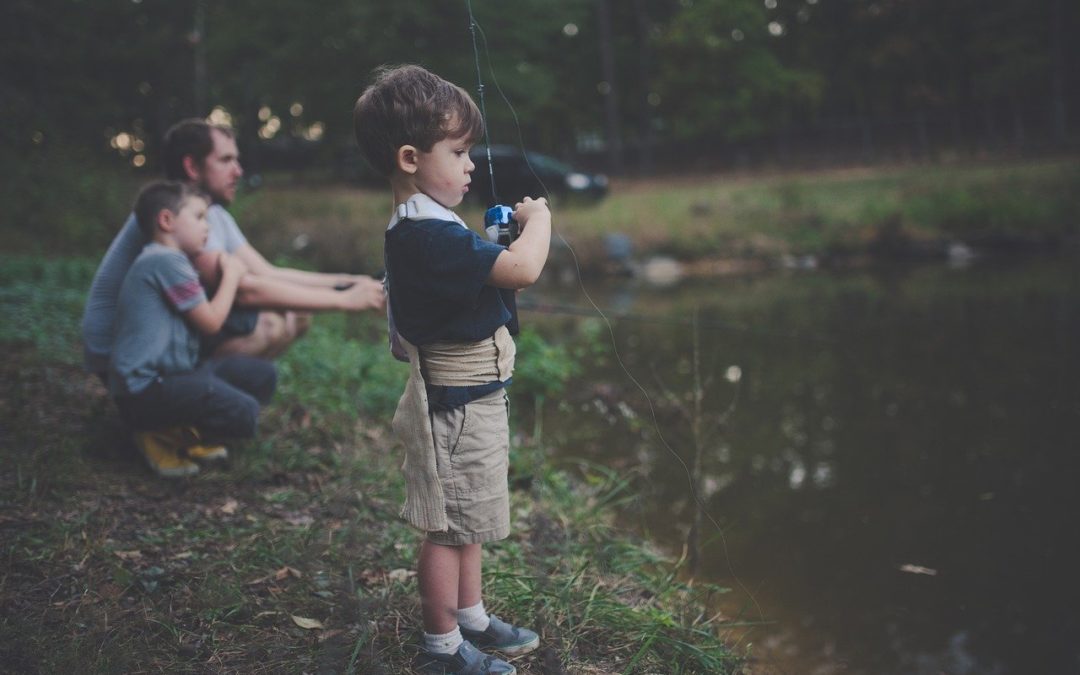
(175,404)
(450,294)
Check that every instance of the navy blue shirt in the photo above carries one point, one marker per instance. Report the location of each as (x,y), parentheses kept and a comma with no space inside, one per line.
(439,293)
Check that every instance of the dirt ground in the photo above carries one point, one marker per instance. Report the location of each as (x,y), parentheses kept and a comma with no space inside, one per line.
(290,559)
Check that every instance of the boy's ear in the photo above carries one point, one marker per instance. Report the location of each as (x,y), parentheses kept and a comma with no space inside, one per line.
(165,219)
(406,159)
(191,167)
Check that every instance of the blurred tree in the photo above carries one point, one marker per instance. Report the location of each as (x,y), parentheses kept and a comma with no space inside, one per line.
(1010,48)
(90,84)
(721,76)
(87,89)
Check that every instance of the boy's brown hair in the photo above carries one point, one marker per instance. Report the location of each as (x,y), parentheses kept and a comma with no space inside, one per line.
(409,105)
(159,196)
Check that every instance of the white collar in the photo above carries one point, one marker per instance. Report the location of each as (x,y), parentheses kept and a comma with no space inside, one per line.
(422,207)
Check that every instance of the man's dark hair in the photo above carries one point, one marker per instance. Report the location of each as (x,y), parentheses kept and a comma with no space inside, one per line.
(191,137)
(408,105)
(159,196)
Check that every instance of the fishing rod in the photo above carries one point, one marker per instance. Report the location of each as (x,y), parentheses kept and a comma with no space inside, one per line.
(474,28)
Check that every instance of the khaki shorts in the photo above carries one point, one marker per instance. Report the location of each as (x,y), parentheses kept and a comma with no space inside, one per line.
(472,445)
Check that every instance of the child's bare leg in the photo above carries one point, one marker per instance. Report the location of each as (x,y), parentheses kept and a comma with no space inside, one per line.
(469,573)
(471,614)
(438,575)
(476,625)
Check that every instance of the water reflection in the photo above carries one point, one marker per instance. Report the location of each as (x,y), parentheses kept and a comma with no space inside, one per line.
(887,424)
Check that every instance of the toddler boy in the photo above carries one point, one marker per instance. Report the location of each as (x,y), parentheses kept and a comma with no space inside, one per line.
(450,300)
(178,407)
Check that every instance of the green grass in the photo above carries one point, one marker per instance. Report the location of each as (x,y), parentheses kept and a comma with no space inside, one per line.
(107,569)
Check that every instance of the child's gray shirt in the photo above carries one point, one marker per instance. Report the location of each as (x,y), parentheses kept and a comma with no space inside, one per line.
(152,338)
(100,312)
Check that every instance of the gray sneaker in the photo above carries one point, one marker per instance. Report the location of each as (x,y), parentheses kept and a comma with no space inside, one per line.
(467,660)
(503,637)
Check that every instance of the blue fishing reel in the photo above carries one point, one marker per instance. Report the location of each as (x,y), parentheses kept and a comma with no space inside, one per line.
(500,225)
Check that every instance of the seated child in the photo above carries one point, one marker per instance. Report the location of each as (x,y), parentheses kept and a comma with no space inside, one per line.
(450,294)
(179,407)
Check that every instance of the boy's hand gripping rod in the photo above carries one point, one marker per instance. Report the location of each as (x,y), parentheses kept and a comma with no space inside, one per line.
(500,225)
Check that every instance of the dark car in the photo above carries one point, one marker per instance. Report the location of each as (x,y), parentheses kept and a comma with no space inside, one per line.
(519,175)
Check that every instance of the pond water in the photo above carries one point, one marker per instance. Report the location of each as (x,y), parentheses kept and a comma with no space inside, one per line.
(896,481)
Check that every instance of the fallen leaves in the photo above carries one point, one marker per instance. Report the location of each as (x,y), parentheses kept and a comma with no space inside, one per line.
(326,635)
(277,575)
(384,577)
(306,623)
(400,575)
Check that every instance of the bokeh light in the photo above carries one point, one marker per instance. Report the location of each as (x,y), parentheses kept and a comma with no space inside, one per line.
(219,115)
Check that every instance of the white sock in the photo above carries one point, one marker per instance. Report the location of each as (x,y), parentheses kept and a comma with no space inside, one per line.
(473,618)
(446,643)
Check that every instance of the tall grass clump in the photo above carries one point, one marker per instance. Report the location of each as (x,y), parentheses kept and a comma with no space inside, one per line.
(594,589)
(342,369)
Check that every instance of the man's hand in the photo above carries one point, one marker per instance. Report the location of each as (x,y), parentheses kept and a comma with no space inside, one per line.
(530,208)
(365,293)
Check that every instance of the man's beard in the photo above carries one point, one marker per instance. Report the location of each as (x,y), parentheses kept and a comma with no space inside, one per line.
(216,197)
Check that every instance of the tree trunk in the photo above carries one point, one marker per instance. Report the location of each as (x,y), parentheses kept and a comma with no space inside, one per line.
(198,40)
(867,134)
(611,101)
(1058,102)
(1019,133)
(922,138)
(645,154)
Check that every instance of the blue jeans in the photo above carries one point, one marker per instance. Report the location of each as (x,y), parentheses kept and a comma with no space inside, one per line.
(220,398)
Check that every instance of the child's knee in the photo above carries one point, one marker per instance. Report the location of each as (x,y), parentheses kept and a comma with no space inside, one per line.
(285,330)
(271,325)
(298,323)
(271,330)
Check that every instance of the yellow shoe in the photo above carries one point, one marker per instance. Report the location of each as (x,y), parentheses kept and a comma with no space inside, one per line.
(162,450)
(208,453)
(199,451)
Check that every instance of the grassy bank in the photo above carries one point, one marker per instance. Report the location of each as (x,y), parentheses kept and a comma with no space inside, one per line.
(889,211)
(750,219)
(292,559)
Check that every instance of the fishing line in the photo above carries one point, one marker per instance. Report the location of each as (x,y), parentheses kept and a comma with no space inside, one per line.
(714,325)
(475,27)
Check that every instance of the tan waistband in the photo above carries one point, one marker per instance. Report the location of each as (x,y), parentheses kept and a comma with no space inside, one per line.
(463,364)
